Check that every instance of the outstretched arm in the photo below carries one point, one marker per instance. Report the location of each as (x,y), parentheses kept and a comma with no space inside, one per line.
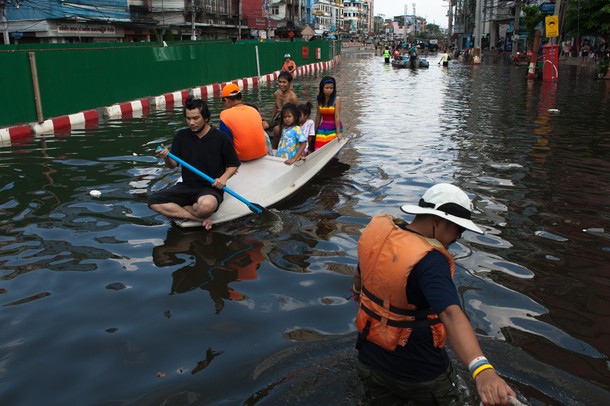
(492,389)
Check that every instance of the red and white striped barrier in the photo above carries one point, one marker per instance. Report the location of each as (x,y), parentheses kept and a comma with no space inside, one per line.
(127,109)
(64,122)
(202,92)
(142,106)
(10,134)
(170,99)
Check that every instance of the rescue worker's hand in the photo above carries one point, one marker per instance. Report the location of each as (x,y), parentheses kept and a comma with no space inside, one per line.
(492,389)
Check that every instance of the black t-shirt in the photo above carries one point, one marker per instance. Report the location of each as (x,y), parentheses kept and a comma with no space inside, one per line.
(212,154)
(429,286)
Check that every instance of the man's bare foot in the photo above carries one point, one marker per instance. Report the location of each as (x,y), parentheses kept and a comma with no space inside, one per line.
(207,223)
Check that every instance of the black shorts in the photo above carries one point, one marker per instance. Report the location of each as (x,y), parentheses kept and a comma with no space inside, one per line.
(184,195)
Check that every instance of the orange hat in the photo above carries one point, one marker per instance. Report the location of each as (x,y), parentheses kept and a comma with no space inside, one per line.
(230,90)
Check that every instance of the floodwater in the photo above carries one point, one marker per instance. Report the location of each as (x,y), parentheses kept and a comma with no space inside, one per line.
(102,302)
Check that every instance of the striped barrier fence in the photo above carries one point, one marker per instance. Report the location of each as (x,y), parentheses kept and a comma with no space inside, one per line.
(141,106)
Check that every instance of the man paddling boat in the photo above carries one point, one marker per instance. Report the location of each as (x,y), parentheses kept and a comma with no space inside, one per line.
(206,149)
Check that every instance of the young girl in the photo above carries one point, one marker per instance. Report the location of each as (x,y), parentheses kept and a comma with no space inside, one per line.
(293,141)
(328,119)
(308,126)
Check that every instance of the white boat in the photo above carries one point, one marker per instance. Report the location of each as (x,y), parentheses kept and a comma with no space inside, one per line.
(268,180)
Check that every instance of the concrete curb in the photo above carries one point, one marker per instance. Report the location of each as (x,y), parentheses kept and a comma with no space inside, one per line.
(144,105)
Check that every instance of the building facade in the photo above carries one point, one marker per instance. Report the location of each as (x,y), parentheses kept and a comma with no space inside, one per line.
(60,21)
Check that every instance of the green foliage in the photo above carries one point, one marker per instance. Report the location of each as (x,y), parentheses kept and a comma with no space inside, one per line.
(588,17)
(433,28)
(532,16)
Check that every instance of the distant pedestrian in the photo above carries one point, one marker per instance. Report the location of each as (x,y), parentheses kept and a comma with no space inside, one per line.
(444,59)
(386,55)
(584,52)
(289,65)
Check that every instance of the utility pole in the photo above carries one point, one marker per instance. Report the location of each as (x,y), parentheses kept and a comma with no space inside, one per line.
(450,22)
(414,22)
(193,33)
(404,30)
(7,40)
(477,25)
(557,13)
(516,26)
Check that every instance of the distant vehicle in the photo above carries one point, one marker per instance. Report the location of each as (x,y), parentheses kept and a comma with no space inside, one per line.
(432,46)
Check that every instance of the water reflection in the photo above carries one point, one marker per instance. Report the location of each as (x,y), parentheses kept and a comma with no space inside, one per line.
(212,261)
(99,270)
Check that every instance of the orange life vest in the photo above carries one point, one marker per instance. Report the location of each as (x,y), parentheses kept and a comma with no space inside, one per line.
(387,255)
(246,125)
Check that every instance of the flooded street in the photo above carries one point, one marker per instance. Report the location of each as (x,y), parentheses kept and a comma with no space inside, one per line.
(103,302)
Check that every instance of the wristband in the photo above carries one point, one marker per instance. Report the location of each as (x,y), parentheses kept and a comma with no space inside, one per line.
(481,369)
(474,361)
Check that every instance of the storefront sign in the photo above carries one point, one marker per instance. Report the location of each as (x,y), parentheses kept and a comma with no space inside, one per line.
(547,8)
(86,30)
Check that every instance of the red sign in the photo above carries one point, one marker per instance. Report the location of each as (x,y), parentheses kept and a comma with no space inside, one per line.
(305,52)
(291,34)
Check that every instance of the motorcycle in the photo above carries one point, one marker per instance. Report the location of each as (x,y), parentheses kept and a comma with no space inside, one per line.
(521,58)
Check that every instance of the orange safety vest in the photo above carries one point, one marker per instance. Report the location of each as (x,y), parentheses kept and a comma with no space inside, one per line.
(246,125)
(387,255)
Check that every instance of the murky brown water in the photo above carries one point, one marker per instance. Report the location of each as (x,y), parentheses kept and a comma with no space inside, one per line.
(103,302)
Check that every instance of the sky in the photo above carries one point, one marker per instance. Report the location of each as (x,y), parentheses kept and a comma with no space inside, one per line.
(434,11)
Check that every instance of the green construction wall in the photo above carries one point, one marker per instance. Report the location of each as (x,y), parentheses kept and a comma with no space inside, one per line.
(77,77)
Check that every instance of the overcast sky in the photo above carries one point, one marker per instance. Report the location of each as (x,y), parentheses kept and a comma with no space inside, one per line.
(434,11)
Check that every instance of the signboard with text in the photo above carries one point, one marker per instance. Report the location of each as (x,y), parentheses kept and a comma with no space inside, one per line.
(551,26)
(547,8)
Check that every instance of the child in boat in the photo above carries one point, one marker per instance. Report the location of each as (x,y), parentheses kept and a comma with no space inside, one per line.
(282,96)
(308,126)
(293,141)
(328,117)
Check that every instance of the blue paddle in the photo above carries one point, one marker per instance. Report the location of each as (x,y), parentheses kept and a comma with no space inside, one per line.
(255,208)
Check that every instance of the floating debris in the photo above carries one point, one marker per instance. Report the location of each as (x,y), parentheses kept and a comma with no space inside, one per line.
(594,230)
(116,286)
(160,374)
(554,111)
(134,154)
(95,193)
(550,236)
(112,330)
